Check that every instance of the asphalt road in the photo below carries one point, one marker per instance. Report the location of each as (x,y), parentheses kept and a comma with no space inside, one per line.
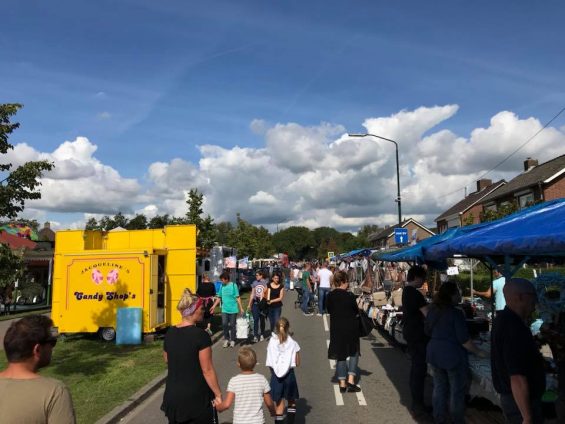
(383,379)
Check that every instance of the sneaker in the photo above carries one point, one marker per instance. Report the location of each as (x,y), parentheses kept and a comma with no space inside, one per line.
(307,314)
(255,339)
(352,388)
(232,344)
(318,314)
(261,338)
(226,343)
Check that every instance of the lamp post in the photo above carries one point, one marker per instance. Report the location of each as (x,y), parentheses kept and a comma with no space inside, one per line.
(398,200)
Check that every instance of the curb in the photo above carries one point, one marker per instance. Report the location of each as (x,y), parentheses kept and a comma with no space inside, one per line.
(120,411)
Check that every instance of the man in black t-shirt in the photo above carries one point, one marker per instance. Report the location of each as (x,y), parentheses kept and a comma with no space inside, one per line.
(516,363)
(414,309)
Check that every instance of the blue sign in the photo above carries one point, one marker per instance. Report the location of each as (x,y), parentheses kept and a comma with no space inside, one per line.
(401,235)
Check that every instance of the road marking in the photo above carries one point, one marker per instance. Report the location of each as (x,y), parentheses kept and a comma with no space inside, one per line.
(361,398)
(332,361)
(338,396)
(326,327)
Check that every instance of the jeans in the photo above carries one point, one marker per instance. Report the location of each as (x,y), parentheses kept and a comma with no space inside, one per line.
(228,325)
(512,413)
(418,371)
(322,294)
(274,315)
(257,317)
(306,295)
(450,387)
(349,366)
(287,284)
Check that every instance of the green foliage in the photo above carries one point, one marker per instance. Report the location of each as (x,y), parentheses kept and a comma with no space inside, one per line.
(17,186)
(206,231)
(223,230)
(503,210)
(469,220)
(364,233)
(249,240)
(139,222)
(21,183)
(298,242)
(11,266)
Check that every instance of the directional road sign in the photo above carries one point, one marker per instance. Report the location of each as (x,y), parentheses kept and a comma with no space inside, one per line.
(401,235)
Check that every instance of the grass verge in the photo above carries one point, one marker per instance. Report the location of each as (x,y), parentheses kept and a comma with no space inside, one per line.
(102,375)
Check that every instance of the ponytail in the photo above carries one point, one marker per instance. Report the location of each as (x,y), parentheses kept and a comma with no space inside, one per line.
(281,329)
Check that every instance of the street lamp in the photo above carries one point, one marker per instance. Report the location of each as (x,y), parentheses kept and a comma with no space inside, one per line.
(397,170)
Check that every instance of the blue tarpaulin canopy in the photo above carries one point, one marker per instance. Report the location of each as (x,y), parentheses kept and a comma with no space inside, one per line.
(356,252)
(537,231)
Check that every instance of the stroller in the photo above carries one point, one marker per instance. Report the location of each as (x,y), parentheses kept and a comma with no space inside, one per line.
(312,304)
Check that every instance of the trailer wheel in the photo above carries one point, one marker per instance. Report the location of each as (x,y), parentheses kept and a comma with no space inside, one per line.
(107,334)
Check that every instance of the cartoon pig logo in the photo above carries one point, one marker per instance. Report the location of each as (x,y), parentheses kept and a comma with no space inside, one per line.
(112,276)
(97,276)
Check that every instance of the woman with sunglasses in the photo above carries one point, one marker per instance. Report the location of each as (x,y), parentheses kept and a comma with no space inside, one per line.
(192,385)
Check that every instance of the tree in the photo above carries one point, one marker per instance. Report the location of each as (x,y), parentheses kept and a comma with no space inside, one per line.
(92,224)
(120,220)
(223,230)
(159,221)
(139,222)
(298,242)
(11,266)
(365,232)
(206,232)
(19,184)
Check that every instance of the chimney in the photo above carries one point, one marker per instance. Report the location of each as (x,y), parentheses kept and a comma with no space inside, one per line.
(529,164)
(482,183)
(47,225)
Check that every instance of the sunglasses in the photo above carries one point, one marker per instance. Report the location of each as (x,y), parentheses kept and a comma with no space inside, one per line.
(51,341)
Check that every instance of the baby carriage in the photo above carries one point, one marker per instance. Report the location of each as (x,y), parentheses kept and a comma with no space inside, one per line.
(312,304)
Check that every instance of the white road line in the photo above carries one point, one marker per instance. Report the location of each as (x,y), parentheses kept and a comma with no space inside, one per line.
(326,327)
(361,399)
(338,396)
(332,361)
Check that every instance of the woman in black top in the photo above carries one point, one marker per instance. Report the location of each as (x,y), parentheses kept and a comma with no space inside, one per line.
(275,295)
(191,384)
(207,292)
(344,332)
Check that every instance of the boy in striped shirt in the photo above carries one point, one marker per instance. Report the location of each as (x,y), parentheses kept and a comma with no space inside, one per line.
(249,390)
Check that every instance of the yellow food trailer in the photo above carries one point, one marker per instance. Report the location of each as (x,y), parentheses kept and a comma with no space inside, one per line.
(97,272)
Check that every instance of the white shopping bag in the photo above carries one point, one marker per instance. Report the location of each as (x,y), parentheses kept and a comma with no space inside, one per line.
(291,285)
(242,328)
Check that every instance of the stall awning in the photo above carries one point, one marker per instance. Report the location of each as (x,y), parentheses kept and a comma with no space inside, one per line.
(537,231)
(356,252)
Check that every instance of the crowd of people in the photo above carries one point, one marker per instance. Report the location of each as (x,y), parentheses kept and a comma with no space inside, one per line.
(436,334)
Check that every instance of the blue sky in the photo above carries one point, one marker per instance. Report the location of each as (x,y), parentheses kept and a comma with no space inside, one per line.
(149,81)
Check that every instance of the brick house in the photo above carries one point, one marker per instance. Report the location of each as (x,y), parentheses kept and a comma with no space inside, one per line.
(468,210)
(537,183)
(384,239)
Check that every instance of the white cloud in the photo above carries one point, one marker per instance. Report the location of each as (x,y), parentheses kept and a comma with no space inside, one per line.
(80,182)
(311,176)
(262,198)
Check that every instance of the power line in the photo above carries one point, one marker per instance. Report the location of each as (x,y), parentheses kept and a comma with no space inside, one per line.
(548,123)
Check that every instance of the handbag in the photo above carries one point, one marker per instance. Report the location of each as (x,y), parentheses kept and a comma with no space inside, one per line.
(263,307)
(365,325)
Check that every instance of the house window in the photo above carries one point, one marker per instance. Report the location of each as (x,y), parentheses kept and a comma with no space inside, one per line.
(490,208)
(526,200)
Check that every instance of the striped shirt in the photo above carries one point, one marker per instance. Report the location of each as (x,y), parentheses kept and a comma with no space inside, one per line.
(249,390)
